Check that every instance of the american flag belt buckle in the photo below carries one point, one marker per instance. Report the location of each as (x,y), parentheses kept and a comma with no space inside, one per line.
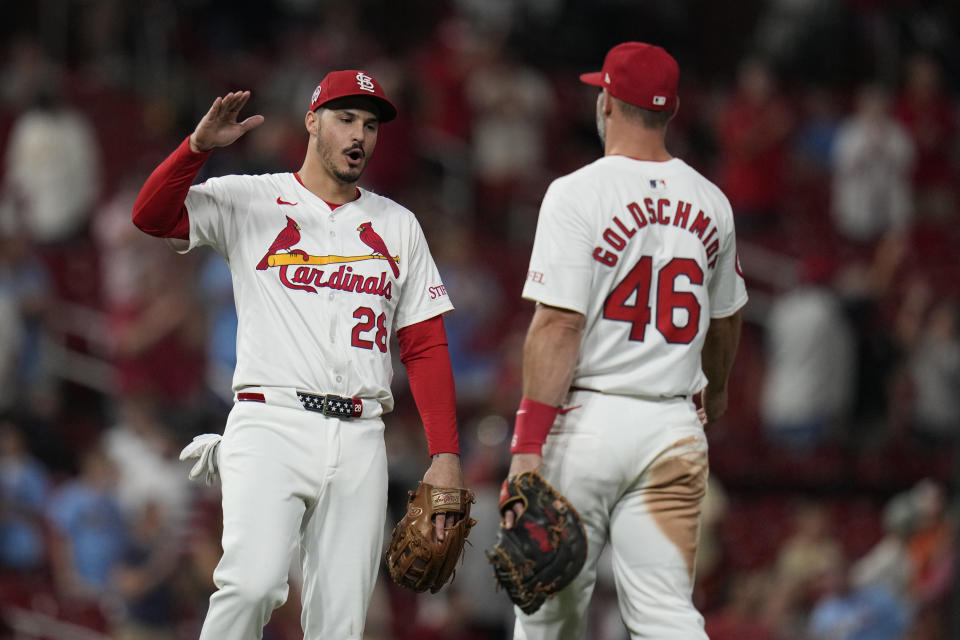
(330,405)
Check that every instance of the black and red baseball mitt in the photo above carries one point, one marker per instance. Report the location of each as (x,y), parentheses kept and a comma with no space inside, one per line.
(546,547)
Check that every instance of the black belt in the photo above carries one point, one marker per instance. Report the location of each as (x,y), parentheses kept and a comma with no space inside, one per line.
(330,405)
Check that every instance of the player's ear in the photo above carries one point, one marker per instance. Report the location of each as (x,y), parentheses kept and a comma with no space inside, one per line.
(606,101)
(312,122)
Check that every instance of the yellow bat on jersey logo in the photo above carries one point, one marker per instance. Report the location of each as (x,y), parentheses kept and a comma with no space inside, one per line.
(281,259)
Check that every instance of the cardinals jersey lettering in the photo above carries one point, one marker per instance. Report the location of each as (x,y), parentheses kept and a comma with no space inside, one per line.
(646,251)
(308,279)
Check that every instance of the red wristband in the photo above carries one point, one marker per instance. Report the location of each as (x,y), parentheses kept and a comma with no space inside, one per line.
(533,423)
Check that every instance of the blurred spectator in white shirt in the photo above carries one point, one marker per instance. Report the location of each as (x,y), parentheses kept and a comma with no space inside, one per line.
(143,452)
(53,174)
(927,399)
(887,563)
(934,370)
(810,361)
(873,156)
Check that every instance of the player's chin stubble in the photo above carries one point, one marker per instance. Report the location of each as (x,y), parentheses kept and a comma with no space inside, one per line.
(329,160)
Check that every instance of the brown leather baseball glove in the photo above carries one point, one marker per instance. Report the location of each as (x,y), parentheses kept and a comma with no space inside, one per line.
(415,558)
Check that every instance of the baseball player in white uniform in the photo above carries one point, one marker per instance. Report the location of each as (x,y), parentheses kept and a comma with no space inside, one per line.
(324,273)
(634,271)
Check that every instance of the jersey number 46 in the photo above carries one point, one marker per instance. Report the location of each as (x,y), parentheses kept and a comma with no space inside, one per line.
(637,313)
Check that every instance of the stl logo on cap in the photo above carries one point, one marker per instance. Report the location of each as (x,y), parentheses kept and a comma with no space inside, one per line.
(352,82)
(365,82)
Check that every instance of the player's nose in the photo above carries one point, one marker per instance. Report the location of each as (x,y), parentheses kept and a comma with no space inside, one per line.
(359,131)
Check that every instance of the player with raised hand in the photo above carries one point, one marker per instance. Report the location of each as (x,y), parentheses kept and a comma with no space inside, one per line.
(219,127)
(302,459)
(634,271)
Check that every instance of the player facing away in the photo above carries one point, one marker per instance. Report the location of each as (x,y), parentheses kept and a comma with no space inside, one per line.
(323,272)
(634,271)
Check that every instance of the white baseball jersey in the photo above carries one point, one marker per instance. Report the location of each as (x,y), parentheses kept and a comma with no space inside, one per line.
(646,251)
(316,295)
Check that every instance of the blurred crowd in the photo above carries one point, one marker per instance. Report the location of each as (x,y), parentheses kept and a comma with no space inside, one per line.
(831,126)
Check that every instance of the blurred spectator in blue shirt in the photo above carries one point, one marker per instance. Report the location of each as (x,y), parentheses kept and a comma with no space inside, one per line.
(144,579)
(24,484)
(89,531)
(25,298)
(848,613)
(216,290)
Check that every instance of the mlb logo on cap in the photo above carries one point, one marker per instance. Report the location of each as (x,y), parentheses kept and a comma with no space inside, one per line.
(352,82)
(641,74)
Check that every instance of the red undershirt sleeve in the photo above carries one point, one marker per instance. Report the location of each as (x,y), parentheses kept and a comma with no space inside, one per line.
(423,351)
(159,209)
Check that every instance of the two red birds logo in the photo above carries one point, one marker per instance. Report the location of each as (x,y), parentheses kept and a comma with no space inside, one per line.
(290,235)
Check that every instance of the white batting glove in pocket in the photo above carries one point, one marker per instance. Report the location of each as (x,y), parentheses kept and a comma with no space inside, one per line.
(205,447)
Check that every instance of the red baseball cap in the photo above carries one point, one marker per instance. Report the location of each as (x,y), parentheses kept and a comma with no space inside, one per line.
(642,74)
(352,82)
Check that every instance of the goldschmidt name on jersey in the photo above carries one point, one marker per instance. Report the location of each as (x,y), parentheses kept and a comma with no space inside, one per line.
(656,213)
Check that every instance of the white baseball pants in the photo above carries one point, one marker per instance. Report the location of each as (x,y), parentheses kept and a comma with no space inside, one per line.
(295,481)
(636,471)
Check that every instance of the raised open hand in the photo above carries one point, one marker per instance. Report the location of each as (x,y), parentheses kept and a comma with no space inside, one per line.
(219,127)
